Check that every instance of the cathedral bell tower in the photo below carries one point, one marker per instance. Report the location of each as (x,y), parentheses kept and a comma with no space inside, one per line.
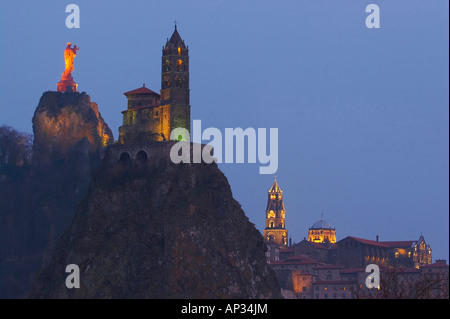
(175,84)
(275,231)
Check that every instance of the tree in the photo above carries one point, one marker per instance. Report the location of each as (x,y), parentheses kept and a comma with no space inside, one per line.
(15,148)
(402,283)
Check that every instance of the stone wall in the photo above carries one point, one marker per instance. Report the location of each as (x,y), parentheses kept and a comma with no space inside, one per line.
(153,150)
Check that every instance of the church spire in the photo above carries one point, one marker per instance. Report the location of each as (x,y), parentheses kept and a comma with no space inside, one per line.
(275,231)
(275,188)
(175,40)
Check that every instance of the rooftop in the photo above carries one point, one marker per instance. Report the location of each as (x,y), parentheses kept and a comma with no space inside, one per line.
(141,90)
(275,188)
(321,224)
(334,282)
(175,40)
(435,265)
(386,244)
(298,260)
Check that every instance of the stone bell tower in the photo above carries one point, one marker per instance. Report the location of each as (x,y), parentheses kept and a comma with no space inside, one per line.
(275,231)
(175,84)
(150,116)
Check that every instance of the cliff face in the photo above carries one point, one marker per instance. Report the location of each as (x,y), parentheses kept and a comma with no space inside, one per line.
(38,203)
(61,120)
(160,230)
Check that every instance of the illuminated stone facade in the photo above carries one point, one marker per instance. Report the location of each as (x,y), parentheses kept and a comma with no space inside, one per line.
(320,267)
(359,252)
(275,231)
(322,232)
(309,278)
(175,84)
(151,116)
(142,121)
(420,252)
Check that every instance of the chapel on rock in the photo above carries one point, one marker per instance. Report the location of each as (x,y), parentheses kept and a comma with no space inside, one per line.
(150,116)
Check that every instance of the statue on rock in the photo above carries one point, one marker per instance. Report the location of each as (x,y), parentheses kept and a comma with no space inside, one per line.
(67,84)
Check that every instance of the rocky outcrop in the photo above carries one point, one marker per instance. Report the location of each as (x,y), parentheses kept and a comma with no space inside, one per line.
(38,202)
(160,230)
(137,228)
(61,120)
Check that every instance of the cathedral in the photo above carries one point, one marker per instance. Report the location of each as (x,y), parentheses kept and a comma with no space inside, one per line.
(150,116)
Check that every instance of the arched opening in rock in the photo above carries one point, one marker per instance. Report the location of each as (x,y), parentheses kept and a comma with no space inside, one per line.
(125,158)
(141,159)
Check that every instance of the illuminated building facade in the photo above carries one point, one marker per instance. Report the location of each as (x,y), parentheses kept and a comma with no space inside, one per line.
(420,252)
(359,252)
(322,232)
(275,231)
(175,84)
(320,267)
(151,116)
(344,276)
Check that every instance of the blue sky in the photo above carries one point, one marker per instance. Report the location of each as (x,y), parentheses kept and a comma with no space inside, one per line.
(362,113)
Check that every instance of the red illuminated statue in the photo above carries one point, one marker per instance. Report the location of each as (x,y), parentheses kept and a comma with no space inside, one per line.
(67,84)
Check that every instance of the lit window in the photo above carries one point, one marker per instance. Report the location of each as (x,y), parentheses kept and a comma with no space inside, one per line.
(179,51)
(167,65)
(397,254)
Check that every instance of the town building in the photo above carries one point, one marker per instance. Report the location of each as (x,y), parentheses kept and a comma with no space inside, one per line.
(359,252)
(322,267)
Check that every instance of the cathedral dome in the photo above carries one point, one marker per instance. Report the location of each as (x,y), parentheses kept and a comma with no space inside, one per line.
(321,232)
(321,224)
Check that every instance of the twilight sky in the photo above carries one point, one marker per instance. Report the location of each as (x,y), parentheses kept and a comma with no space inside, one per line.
(362,114)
